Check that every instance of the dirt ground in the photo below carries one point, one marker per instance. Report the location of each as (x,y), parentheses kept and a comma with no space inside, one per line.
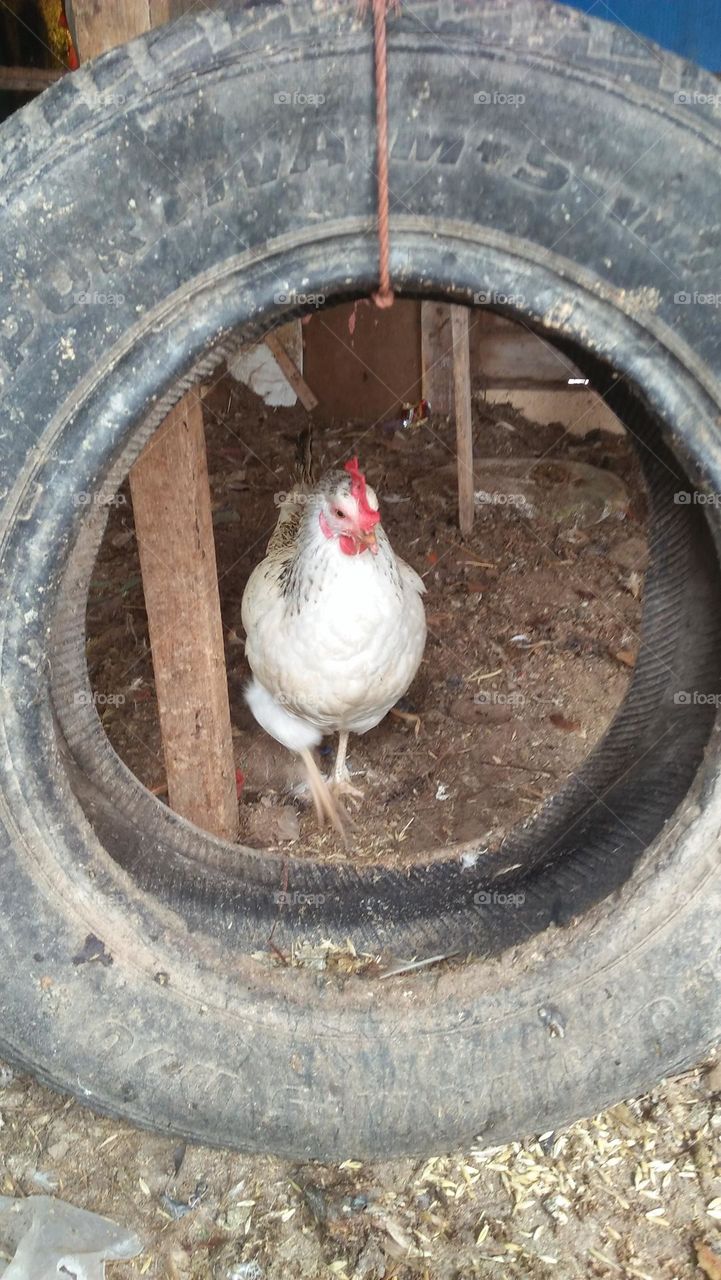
(533,621)
(634,1193)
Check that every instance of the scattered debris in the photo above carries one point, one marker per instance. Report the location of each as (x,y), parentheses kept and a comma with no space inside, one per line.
(179,1208)
(709,1261)
(552,1018)
(246,1271)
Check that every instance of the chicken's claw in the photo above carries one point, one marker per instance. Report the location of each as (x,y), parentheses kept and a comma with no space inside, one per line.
(410,717)
(344,787)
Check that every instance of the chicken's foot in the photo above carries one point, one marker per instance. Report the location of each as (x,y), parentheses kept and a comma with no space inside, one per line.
(339,781)
(327,807)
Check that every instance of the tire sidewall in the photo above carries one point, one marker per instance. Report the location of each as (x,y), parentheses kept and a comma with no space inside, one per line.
(174,1019)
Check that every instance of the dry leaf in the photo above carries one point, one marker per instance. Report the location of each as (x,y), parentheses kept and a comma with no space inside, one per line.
(626,656)
(560,722)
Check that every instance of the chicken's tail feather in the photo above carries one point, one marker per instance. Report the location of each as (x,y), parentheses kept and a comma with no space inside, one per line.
(287,728)
(305,470)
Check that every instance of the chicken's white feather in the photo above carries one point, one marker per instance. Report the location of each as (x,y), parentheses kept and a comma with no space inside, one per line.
(278,721)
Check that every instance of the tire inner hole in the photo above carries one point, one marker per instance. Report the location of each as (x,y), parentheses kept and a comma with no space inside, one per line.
(534,621)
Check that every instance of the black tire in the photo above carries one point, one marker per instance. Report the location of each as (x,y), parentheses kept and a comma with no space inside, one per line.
(166,176)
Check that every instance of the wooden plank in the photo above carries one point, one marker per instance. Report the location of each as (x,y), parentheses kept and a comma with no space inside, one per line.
(290,371)
(28,79)
(501,348)
(174,529)
(365,362)
(100,25)
(464,423)
(437,356)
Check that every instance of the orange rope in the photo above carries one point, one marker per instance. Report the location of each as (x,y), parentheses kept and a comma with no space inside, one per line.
(383,297)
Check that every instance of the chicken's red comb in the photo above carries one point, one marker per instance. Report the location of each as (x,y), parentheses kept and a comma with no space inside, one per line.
(368,516)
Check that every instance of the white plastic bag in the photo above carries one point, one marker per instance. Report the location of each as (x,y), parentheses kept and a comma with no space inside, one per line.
(49,1238)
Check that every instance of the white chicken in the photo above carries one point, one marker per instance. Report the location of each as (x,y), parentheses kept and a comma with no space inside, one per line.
(335,625)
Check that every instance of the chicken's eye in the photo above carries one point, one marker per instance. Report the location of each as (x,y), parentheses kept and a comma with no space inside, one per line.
(340,514)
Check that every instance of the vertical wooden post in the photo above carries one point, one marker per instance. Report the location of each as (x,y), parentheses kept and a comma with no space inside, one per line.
(437,356)
(171,501)
(174,528)
(464,423)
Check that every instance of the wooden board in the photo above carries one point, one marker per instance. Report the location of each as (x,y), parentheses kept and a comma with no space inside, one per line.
(437,356)
(464,422)
(291,372)
(28,79)
(100,25)
(174,530)
(505,352)
(361,362)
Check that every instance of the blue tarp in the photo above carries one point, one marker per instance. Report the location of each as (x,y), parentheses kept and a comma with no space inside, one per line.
(689,27)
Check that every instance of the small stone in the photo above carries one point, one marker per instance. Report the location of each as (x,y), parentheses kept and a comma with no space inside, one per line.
(371,1262)
(274,823)
(630,553)
(58,1150)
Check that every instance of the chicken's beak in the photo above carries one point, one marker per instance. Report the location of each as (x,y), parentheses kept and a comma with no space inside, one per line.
(368,539)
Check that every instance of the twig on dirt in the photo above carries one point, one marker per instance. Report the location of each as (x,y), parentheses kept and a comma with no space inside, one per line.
(410,965)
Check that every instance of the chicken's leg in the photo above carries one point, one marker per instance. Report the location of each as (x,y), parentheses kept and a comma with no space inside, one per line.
(339,780)
(326,807)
